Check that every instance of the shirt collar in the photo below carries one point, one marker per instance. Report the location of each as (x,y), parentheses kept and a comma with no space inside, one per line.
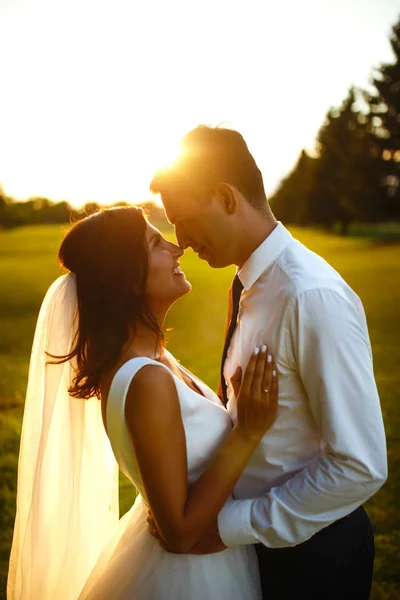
(263,256)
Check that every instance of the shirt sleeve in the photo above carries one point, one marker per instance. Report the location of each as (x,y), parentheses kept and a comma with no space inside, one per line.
(329,343)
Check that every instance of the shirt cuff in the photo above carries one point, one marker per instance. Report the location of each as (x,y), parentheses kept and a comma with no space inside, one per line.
(234,523)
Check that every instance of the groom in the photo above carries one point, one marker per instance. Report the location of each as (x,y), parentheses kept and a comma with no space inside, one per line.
(300,497)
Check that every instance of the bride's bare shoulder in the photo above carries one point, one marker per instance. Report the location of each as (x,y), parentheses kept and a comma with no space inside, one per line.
(150,378)
(152,401)
(151,385)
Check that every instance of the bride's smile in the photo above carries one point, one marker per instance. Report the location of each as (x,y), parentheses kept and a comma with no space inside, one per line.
(166,282)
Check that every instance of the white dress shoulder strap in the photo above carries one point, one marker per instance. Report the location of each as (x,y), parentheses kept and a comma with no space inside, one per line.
(115,413)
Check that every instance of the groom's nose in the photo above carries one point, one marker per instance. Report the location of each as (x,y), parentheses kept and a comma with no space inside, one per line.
(181,237)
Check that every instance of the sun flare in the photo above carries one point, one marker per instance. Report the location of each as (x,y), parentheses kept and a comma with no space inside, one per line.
(92,121)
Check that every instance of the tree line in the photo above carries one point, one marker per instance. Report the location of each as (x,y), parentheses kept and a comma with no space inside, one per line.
(353,175)
(42,211)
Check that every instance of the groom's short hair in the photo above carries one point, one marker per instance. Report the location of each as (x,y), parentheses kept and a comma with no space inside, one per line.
(210,155)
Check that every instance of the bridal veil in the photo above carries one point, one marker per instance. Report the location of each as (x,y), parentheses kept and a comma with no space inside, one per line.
(67,495)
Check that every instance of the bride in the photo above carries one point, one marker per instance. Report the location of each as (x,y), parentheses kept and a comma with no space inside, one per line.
(103,392)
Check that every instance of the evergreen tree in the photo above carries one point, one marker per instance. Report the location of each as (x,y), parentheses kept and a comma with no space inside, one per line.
(348,174)
(341,185)
(290,202)
(385,122)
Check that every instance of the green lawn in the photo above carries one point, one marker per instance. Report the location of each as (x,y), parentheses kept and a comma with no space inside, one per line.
(196,325)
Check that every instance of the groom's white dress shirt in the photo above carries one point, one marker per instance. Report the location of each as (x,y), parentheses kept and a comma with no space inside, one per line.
(326,452)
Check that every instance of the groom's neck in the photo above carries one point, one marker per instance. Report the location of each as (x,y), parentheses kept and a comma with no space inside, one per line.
(252,233)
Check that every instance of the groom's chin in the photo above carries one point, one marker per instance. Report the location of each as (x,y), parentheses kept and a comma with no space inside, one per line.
(215,263)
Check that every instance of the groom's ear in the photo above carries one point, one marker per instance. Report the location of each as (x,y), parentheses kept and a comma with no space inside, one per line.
(226,195)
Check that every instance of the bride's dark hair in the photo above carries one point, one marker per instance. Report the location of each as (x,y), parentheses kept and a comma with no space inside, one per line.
(107,252)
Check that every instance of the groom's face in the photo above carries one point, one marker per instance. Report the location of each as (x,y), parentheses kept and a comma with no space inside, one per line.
(202,225)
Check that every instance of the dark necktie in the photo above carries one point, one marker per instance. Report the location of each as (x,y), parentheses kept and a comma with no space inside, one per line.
(234,297)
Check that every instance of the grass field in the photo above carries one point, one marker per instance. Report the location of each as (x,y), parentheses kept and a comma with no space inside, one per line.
(28,265)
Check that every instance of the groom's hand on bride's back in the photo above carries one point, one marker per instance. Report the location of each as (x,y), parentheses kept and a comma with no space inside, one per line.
(210,543)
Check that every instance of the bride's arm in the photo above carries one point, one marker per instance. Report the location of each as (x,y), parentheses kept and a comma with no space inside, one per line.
(154,420)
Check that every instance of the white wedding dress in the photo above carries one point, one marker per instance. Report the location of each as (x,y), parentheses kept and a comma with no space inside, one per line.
(133,566)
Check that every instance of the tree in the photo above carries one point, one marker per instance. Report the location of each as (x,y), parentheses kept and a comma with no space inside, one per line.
(290,202)
(6,210)
(385,121)
(349,170)
(344,182)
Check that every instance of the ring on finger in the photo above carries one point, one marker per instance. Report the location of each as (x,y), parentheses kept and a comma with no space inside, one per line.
(266,390)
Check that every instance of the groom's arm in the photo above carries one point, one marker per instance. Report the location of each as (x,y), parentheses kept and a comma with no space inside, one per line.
(327,339)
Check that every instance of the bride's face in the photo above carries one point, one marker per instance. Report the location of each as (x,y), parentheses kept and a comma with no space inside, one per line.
(166,282)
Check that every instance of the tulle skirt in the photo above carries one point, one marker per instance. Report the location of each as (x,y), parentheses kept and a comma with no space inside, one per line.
(133,566)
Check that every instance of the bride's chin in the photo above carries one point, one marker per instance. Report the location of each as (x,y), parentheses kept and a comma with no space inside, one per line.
(171,296)
(183,289)
(186,288)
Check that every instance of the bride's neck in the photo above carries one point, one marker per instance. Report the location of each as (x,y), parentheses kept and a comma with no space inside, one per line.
(143,341)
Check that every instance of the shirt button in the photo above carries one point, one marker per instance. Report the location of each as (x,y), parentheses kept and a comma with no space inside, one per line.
(229,353)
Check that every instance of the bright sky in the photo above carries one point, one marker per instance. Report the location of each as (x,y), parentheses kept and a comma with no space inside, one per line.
(95,93)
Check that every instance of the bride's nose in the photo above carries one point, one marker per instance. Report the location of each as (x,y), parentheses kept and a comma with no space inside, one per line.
(176,250)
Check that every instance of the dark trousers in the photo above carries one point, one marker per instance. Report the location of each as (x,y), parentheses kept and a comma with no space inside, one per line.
(335,564)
